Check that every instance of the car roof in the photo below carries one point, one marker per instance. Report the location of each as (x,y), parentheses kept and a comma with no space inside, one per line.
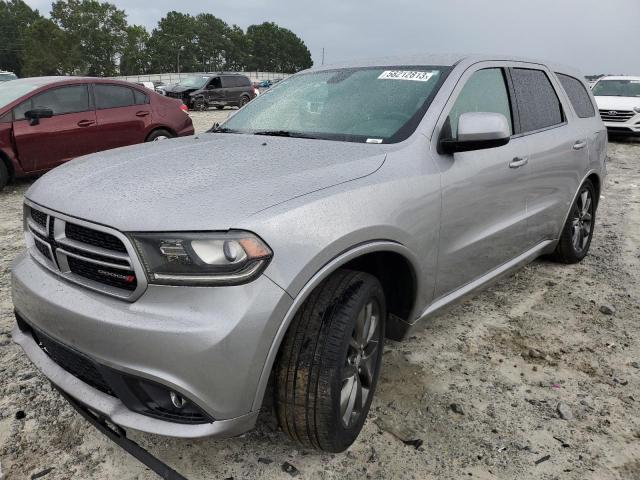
(619,77)
(445,60)
(44,81)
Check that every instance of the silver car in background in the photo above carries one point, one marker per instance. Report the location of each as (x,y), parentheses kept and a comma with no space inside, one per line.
(166,285)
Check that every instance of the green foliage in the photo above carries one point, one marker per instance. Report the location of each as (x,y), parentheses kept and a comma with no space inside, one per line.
(89,37)
(276,49)
(15,19)
(136,57)
(99,30)
(48,50)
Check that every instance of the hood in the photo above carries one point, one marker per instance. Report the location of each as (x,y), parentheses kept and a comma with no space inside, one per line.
(180,89)
(210,182)
(617,103)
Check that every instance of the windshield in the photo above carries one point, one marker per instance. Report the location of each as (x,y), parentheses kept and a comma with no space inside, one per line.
(10,91)
(373,104)
(617,88)
(196,81)
(4,77)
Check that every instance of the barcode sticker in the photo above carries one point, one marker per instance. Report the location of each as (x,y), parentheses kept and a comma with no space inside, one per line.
(416,76)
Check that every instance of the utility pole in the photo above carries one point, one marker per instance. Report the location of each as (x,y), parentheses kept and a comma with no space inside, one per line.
(322,55)
(179,50)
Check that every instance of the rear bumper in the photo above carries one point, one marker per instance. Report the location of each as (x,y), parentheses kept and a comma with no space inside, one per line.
(207,344)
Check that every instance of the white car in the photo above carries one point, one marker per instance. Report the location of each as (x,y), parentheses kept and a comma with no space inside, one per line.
(618,100)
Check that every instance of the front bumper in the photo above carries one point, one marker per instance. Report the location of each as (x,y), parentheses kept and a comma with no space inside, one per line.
(208,344)
(631,125)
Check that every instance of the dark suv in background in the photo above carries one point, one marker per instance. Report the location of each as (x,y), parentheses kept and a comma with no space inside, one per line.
(200,92)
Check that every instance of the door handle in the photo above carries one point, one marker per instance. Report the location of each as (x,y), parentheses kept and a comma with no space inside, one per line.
(518,162)
(85,123)
(142,114)
(579,145)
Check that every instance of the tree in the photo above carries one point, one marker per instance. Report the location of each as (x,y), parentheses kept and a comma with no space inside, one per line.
(175,37)
(277,49)
(15,19)
(136,58)
(48,50)
(98,29)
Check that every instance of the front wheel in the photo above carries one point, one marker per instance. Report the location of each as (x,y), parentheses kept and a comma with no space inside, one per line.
(577,233)
(330,362)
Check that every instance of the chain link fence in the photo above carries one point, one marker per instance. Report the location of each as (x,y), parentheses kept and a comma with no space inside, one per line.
(171,78)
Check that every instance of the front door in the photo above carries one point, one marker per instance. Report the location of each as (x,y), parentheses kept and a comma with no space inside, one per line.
(483,206)
(70,133)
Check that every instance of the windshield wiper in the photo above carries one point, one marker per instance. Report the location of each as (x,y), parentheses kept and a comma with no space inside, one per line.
(218,129)
(283,133)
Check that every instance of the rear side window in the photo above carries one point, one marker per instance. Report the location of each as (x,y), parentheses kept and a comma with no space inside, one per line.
(538,104)
(235,81)
(578,95)
(485,91)
(63,100)
(7,117)
(113,96)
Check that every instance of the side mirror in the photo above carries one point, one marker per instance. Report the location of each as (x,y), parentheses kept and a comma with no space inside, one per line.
(478,131)
(36,114)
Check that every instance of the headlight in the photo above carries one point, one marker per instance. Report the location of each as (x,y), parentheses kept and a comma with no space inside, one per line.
(230,258)
(636,109)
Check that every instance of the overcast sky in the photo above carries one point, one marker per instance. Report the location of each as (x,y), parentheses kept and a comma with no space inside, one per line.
(597,36)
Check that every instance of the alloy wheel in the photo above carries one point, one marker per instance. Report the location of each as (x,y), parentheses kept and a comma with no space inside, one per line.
(582,221)
(360,366)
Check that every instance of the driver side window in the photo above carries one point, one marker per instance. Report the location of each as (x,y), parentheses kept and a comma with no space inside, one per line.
(485,91)
(214,83)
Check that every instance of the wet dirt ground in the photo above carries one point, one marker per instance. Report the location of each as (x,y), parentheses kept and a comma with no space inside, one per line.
(479,393)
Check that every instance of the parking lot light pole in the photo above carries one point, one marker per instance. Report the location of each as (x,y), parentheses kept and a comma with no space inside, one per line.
(178,62)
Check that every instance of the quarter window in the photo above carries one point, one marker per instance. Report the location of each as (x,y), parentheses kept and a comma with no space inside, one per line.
(538,104)
(485,91)
(578,95)
(62,100)
(140,97)
(113,96)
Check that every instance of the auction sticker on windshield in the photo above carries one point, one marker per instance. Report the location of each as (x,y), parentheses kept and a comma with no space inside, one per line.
(406,75)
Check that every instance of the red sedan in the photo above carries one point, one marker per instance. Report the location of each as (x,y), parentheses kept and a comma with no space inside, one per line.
(45,121)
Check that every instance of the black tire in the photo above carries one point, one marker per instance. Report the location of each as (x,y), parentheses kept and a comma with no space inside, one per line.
(243,101)
(320,357)
(158,135)
(572,249)
(4,174)
(219,107)
(200,105)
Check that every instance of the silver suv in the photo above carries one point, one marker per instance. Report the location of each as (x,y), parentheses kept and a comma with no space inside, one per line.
(166,285)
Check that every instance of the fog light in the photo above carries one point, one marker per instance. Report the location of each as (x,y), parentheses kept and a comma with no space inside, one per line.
(177,400)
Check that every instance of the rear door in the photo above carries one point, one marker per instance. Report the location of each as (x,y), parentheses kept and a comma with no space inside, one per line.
(70,133)
(123,115)
(483,206)
(231,85)
(558,150)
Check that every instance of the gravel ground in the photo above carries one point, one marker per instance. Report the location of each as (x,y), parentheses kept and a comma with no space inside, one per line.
(479,393)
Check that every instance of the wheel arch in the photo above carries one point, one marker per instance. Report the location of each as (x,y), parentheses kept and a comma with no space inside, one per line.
(594,177)
(155,128)
(372,258)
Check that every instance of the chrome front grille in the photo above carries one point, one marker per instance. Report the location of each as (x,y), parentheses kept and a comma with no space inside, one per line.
(93,256)
(616,115)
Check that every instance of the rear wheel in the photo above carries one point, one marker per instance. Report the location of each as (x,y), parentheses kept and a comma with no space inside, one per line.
(330,362)
(244,101)
(219,107)
(4,174)
(158,135)
(577,233)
